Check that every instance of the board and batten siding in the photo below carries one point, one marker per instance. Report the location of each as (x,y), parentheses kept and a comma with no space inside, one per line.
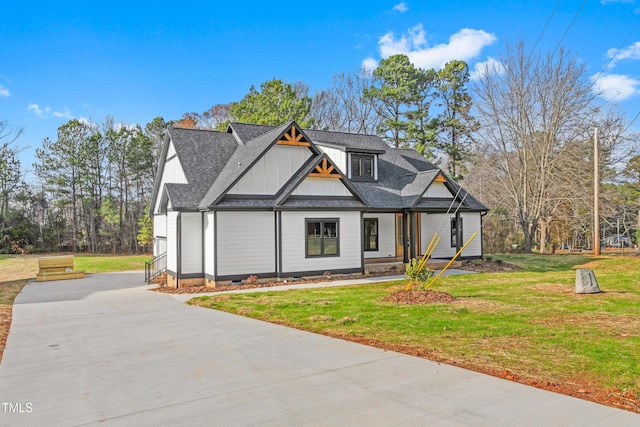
(160,225)
(246,243)
(191,242)
(337,156)
(160,246)
(172,173)
(272,170)
(172,241)
(386,236)
(441,223)
(209,244)
(321,187)
(438,190)
(294,241)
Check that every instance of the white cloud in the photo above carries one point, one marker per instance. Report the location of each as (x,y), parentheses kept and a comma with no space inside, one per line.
(606,2)
(4,91)
(617,87)
(491,65)
(40,112)
(401,7)
(466,44)
(66,114)
(84,120)
(632,52)
(370,64)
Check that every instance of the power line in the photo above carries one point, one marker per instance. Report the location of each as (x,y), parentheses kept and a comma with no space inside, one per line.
(631,123)
(553,12)
(569,27)
(617,50)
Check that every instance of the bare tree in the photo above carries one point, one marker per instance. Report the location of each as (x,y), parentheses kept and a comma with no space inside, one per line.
(343,107)
(533,111)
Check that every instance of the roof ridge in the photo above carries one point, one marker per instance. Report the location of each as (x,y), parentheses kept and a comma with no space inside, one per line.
(196,129)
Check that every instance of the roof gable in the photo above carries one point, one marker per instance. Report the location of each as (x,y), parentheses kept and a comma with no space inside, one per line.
(247,155)
(319,178)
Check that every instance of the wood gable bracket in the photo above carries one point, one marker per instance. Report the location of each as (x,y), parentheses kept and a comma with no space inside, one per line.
(325,170)
(293,137)
(440,178)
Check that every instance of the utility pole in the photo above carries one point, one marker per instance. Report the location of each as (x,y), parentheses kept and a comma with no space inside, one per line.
(596,195)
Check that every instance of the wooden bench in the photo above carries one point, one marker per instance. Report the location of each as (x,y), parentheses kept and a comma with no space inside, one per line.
(57,268)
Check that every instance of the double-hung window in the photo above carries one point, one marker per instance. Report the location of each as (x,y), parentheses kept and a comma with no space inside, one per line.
(322,238)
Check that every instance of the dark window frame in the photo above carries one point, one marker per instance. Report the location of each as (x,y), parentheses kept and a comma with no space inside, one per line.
(360,176)
(367,236)
(455,232)
(321,221)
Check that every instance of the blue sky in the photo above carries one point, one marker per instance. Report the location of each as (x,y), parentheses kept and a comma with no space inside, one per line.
(137,60)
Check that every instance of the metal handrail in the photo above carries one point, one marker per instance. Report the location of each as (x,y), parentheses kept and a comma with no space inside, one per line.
(155,267)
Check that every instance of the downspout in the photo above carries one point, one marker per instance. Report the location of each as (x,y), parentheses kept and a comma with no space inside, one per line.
(215,246)
(179,241)
(482,215)
(362,241)
(458,232)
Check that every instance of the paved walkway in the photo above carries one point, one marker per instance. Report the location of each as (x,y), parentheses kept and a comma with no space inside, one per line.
(105,351)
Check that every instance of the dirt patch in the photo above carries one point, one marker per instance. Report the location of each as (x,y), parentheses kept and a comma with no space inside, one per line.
(420,297)
(488,266)
(8,291)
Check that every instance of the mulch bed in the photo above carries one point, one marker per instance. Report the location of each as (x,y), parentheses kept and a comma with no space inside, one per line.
(473,265)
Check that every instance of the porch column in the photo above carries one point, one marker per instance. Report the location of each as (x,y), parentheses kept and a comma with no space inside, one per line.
(412,234)
(405,238)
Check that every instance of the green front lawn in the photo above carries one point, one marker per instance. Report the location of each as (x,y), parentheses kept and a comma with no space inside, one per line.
(529,322)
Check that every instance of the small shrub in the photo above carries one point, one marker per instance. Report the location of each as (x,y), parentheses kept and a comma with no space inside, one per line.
(416,275)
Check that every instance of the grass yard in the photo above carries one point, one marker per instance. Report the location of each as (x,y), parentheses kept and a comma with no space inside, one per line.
(17,270)
(527,325)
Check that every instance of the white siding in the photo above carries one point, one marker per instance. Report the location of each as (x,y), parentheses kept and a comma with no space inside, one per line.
(172,173)
(440,223)
(160,225)
(274,169)
(337,156)
(294,241)
(438,189)
(160,246)
(172,241)
(322,187)
(191,233)
(471,223)
(386,236)
(209,244)
(171,150)
(246,243)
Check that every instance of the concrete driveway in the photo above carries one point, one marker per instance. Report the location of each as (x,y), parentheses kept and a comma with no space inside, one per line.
(103,350)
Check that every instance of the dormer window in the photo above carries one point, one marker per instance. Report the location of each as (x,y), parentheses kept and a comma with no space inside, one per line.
(363,167)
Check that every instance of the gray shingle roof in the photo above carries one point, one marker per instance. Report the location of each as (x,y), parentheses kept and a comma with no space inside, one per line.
(200,169)
(214,161)
(242,159)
